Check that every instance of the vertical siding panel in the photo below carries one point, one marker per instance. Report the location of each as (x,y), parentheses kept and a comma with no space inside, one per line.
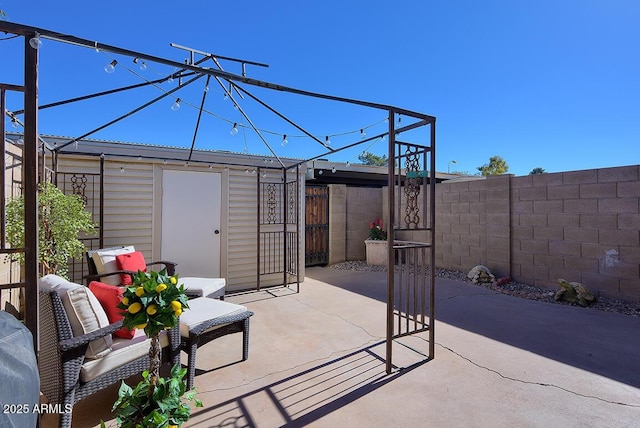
(130,207)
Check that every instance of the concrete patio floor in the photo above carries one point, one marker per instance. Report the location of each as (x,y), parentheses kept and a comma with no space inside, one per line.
(317,359)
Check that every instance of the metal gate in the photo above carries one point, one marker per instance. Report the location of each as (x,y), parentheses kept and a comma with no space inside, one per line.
(278,224)
(316,225)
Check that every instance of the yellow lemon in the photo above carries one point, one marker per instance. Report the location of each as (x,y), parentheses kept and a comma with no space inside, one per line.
(125,301)
(140,291)
(142,326)
(161,287)
(173,426)
(173,280)
(135,307)
(152,309)
(178,312)
(175,305)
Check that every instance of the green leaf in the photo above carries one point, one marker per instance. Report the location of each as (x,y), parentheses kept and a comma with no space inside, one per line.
(61,218)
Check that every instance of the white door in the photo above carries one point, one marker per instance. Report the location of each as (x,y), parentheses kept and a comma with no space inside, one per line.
(191,222)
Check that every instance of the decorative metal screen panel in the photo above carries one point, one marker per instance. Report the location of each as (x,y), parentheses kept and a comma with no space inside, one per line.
(412,176)
(278,224)
(86,185)
(411,278)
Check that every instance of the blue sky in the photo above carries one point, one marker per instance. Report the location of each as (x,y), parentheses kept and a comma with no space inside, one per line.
(551,84)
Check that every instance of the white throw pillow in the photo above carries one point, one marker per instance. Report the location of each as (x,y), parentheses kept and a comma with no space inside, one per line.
(105,261)
(83,310)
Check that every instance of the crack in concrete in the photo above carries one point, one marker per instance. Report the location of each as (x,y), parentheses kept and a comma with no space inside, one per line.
(494,293)
(550,385)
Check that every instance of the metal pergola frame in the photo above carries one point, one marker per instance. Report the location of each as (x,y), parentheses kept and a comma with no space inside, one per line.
(31,138)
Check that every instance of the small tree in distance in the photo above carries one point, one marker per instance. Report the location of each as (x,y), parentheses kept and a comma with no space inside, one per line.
(368,158)
(496,166)
(537,170)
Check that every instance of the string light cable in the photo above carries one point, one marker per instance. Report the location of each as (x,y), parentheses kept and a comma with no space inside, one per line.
(359,130)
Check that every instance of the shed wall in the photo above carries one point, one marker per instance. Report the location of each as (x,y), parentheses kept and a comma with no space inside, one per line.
(132,213)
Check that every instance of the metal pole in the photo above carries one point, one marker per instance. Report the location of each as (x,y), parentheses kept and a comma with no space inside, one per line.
(390,237)
(285,228)
(298,228)
(3,188)
(101,220)
(258,221)
(30,189)
(432,271)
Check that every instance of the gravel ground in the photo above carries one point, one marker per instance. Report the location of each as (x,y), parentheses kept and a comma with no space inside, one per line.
(513,288)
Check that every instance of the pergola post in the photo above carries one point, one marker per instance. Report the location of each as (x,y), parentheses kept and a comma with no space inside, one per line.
(30,187)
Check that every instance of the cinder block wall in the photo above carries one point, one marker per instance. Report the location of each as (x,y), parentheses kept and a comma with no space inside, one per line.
(351,209)
(580,226)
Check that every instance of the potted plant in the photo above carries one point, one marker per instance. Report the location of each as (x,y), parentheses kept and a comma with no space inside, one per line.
(376,244)
(60,220)
(154,302)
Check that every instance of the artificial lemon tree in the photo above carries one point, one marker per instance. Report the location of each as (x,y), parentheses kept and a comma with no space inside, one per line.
(154,302)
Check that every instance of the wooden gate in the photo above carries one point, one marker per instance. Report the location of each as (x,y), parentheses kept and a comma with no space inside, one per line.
(316,225)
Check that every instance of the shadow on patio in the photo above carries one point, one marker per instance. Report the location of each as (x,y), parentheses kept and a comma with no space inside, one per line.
(606,344)
(302,398)
(316,359)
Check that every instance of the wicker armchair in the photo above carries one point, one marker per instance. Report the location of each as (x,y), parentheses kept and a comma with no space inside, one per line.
(62,357)
(194,286)
(93,270)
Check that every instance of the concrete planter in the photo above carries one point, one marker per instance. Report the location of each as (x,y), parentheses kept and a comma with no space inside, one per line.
(376,252)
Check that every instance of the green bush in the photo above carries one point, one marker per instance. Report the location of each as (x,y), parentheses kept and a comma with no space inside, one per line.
(60,220)
(135,408)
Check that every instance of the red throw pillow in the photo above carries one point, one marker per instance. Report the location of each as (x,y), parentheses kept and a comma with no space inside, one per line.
(130,261)
(109,297)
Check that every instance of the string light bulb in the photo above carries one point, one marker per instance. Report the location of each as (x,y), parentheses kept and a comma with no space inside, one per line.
(141,63)
(176,105)
(35,42)
(234,129)
(111,67)
(284,141)
(327,141)
(362,134)
(348,164)
(333,170)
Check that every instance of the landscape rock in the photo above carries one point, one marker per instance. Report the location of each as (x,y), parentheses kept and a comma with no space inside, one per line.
(574,292)
(481,275)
